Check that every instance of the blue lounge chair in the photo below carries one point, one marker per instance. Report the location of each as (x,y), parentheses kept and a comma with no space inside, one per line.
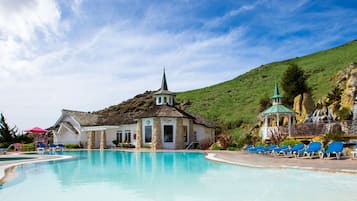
(52,147)
(277,150)
(292,151)
(255,149)
(333,148)
(41,146)
(248,147)
(60,147)
(268,149)
(314,147)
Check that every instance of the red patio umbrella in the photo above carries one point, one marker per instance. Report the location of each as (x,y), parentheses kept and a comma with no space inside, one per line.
(36,130)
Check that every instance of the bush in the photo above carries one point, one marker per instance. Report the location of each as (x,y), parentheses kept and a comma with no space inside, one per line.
(233,147)
(215,146)
(28,147)
(344,114)
(289,142)
(205,144)
(225,140)
(115,142)
(71,146)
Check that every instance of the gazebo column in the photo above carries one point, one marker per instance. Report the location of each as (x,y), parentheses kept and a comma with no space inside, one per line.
(103,140)
(90,140)
(277,120)
(289,124)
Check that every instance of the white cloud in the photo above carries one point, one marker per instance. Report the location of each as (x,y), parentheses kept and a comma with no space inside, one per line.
(22,19)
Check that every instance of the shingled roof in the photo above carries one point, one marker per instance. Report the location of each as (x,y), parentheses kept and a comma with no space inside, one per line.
(127,112)
(83,118)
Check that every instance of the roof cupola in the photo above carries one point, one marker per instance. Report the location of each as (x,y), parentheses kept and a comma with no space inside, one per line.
(164,96)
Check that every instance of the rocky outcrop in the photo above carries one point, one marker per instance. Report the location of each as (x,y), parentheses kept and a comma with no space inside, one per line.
(303,106)
(348,83)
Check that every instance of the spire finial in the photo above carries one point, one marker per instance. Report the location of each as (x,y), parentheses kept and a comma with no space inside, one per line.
(164,83)
(276,90)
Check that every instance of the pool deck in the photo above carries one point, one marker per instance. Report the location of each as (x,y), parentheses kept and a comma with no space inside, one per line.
(243,158)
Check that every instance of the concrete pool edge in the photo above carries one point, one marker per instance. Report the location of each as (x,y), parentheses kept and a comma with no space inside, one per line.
(7,170)
(213,156)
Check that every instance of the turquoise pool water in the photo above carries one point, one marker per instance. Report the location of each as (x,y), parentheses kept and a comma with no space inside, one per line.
(114,175)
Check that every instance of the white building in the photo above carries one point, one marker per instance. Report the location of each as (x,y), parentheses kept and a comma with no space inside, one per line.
(160,126)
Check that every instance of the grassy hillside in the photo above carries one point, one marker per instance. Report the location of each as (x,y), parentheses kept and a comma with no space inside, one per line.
(236,101)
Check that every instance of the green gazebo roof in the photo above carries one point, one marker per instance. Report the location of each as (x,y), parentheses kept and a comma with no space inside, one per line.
(276,109)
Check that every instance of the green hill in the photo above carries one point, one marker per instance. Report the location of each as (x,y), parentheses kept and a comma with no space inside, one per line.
(234,102)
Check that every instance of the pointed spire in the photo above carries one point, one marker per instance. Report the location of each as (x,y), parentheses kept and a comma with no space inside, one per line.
(164,83)
(276,97)
(276,90)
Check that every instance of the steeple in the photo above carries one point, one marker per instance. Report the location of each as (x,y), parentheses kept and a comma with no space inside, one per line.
(276,97)
(164,83)
(164,96)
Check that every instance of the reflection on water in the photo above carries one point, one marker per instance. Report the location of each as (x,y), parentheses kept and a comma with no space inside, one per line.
(113,175)
(137,170)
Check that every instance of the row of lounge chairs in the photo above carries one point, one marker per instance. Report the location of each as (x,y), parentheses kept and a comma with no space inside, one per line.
(299,150)
(52,147)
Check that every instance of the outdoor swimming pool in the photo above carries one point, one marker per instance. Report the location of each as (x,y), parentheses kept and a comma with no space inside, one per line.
(169,176)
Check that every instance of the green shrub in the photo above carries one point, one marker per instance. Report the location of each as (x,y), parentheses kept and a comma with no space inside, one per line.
(71,146)
(28,147)
(215,146)
(115,142)
(233,148)
(289,142)
(344,114)
(148,146)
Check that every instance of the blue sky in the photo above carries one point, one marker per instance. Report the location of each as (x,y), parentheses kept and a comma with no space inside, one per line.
(87,55)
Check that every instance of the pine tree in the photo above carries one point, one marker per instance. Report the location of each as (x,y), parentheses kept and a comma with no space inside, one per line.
(7,135)
(294,83)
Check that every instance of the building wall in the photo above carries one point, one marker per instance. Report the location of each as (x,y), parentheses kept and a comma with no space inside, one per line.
(65,136)
(202,133)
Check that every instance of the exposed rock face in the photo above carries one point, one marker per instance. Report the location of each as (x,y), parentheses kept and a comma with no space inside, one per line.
(349,84)
(303,105)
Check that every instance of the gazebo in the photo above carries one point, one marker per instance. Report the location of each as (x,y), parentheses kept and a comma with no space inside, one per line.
(273,115)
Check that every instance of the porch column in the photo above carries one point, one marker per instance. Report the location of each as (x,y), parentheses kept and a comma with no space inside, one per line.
(190,131)
(103,140)
(179,143)
(91,139)
(139,134)
(156,135)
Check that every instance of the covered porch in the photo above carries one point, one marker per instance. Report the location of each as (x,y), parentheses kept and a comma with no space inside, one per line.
(97,136)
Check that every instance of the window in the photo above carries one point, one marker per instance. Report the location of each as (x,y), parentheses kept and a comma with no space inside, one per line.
(165,100)
(148,134)
(168,133)
(185,134)
(159,100)
(119,136)
(127,136)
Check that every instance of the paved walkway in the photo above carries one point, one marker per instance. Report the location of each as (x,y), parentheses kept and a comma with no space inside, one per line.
(345,165)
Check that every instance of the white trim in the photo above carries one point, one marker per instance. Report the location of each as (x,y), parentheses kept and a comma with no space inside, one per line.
(99,128)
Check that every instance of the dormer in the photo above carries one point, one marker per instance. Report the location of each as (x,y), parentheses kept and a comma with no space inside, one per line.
(164,96)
